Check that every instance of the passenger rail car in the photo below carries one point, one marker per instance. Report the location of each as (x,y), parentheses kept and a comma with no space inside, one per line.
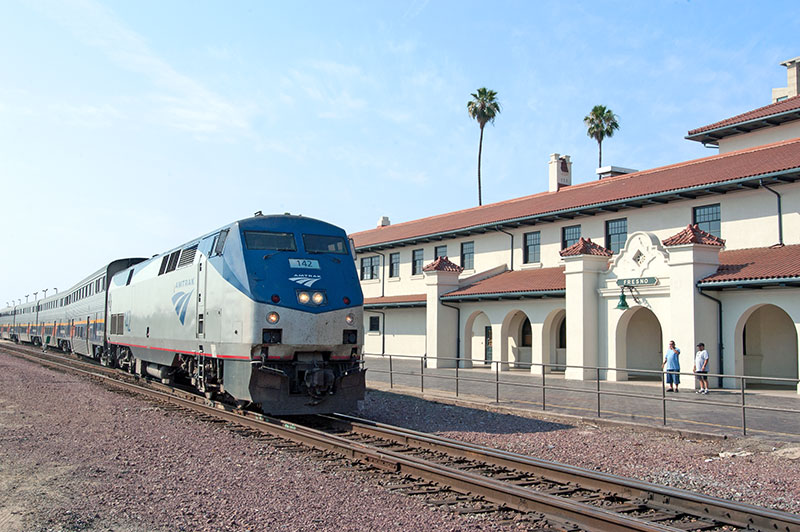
(72,320)
(267,310)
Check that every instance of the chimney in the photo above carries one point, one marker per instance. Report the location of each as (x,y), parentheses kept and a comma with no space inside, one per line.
(560,172)
(384,221)
(613,171)
(792,81)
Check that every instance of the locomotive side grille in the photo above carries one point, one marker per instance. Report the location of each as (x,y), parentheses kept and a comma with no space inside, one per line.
(187,256)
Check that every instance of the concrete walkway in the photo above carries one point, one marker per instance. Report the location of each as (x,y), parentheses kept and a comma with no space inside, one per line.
(637,401)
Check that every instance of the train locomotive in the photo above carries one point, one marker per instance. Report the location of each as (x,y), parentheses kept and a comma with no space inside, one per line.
(267,310)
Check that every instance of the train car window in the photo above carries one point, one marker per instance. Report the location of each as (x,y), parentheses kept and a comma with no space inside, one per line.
(187,256)
(130,277)
(220,242)
(269,240)
(324,244)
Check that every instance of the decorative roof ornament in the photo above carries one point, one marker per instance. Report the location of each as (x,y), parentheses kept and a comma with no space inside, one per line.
(442,264)
(585,246)
(693,235)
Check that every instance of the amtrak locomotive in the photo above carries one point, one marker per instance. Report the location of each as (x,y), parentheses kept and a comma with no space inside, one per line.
(267,310)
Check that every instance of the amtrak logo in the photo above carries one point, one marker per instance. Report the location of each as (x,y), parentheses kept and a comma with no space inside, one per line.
(181,302)
(305,280)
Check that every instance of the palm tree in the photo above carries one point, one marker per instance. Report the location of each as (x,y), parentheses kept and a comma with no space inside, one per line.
(484,108)
(601,123)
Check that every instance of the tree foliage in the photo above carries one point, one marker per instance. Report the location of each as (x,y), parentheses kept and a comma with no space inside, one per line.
(483,107)
(601,123)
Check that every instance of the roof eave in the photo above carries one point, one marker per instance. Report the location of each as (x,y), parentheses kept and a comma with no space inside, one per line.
(405,304)
(526,294)
(779,282)
(713,136)
(717,187)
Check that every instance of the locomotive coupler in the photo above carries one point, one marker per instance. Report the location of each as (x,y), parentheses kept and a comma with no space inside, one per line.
(319,381)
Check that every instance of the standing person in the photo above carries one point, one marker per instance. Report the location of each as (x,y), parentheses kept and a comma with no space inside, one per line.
(701,367)
(672,365)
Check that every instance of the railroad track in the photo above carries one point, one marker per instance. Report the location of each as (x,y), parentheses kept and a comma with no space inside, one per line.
(468,478)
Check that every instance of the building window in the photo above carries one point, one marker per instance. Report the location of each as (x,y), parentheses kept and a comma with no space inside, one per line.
(439,251)
(616,234)
(570,235)
(468,255)
(370,267)
(707,218)
(530,251)
(374,324)
(394,265)
(416,262)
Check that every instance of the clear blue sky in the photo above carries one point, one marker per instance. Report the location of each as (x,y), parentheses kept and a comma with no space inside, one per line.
(127,128)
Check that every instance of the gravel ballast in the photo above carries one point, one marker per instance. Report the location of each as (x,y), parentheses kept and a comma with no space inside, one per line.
(75,456)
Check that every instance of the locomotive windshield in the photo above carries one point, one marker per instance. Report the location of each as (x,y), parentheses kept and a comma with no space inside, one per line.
(324,244)
(269,240)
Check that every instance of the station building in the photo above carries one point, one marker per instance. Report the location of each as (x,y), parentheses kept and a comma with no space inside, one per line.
(605,273)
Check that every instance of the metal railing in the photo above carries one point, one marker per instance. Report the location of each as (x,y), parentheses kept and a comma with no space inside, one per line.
(590,373)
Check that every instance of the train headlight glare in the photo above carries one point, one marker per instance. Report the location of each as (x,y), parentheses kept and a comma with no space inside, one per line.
(303,297)
(317,298)
(350,319)
(273,317)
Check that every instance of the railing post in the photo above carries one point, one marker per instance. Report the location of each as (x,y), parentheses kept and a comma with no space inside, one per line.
(457,362)
(422,373)
(663,400)
(391,373)
(497,382)
(598,391)
(744,409)
(544,386)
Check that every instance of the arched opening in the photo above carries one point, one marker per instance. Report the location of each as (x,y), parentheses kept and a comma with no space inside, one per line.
(639,344)
(516,342)
(478,339)
(768,342)
(554,341)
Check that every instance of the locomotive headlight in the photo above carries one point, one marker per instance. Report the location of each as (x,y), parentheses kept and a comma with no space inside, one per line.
(317,298)
(303,297)
(273,317)
(350,319)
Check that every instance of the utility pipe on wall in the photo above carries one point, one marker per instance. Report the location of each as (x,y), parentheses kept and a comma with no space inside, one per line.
(780,213)
(458,331)
(512,245)
(720,346)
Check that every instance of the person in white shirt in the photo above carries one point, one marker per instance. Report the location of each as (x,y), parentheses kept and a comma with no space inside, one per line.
(701,367)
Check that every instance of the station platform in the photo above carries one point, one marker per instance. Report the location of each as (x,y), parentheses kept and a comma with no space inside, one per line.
(770,413)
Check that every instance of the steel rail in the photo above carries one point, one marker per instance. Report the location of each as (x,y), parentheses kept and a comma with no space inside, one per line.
(498,492)
(731,513)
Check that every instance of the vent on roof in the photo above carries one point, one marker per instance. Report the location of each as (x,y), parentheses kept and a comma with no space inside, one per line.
(560,172)
(384,221)
(613,171)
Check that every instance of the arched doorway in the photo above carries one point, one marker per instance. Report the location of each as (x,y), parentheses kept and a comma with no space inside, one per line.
(517,339)
(768,346)
(554,341)
(639,344)
(478,347)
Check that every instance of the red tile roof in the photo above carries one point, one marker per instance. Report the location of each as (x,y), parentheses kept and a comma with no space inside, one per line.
(442,264)
(538,280)
(693,235)
(757,263)
(776,157)
(790,104)
(391,300)
(585,246)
